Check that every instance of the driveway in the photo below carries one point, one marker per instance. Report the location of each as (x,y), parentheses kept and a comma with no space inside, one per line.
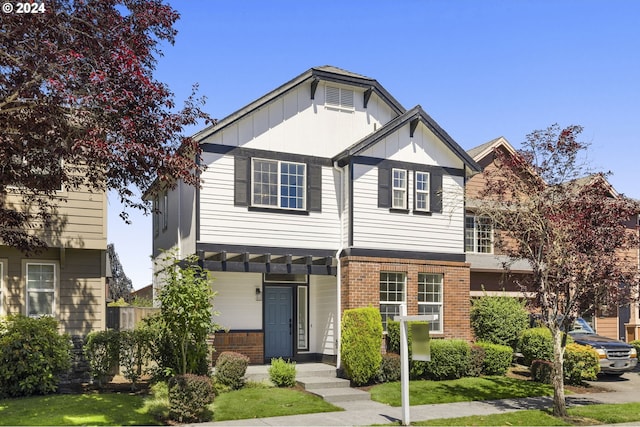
(629,381)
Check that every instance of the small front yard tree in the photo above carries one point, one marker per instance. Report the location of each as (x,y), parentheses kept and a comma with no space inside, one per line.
(569,225)
(186,315)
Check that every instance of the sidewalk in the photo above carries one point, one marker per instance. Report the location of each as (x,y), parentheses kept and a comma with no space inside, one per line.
(368,412)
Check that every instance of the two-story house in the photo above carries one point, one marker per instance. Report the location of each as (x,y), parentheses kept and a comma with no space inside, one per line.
(66,281)
(488,275)
(323,195)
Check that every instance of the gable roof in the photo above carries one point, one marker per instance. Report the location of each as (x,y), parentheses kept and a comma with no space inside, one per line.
(312,76)
(483,150)
(413,117)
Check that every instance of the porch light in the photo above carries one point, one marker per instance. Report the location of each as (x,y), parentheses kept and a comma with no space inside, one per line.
(258,294)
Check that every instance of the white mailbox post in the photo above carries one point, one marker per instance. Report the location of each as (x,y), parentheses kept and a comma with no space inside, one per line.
(404,356)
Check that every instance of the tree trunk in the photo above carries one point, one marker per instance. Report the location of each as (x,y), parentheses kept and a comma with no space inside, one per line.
(559,404)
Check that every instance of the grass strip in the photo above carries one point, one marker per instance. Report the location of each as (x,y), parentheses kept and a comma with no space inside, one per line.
(460,390)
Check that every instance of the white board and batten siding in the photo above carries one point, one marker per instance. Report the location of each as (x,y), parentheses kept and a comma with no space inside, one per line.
(323,320)
(223,223)
(375,227)
(294,123)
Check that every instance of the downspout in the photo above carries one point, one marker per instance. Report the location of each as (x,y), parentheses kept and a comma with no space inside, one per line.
(338,272)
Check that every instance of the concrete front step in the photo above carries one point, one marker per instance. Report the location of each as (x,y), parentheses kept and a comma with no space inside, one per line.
(303,370)
(339,395)
(322,382)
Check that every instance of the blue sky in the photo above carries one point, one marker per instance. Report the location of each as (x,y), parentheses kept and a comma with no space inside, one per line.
(480,68)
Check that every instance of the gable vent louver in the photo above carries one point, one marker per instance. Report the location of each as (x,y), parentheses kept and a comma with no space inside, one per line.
(338,97)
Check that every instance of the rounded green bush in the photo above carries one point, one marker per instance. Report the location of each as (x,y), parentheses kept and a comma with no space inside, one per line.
(498,319)
(361,332)
(450,359)
(282,373)
(541,371)
(33,355)
(390,368)
(581,363)
(536,343)
(189,396)
(231,368)
(497,358)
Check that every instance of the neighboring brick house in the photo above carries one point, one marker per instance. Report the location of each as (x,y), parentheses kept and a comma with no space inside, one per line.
(67,281)
(323,195)
(488,275)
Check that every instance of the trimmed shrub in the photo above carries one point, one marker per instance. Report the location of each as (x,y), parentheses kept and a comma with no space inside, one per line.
(282,373)
(497,358)
(581,363)
(101,348)
(499,319)
(536,343)
(189,396)
(450,359)
(230,369)
(541,371)
(476,361)
(393,336)
(33,355)
(361,341)
(134,353)
(389,368)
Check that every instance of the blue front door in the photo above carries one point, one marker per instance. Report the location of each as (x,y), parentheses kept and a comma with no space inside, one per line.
(278,322)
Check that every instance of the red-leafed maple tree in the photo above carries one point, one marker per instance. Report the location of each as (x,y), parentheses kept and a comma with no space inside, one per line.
(569,225)
(79,107)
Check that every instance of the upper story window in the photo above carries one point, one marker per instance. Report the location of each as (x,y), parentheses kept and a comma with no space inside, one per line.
(399,189)
(278,184)
(430,298)
(478,234)
(41,288)
(392,294)
(156,216)
(339,97)
(422,191)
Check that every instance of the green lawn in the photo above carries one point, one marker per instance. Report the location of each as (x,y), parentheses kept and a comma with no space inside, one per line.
(582,415)
(461,390)
(76,409)
(260,402)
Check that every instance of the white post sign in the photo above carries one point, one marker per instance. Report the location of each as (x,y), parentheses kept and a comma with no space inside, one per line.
(404,355)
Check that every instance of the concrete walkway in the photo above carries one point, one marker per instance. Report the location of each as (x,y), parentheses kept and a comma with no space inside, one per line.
(363,413)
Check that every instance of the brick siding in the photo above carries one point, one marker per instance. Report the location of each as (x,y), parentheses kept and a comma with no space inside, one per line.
(248,343)
(361,288)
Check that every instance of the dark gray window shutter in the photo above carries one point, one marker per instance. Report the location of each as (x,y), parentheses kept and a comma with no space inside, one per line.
(314,188)
(384,187)
(435,192)
(241,175)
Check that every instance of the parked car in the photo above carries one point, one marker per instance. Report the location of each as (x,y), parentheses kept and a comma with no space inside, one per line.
(616,357)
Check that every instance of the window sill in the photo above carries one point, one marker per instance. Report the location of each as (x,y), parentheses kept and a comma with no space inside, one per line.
(278,210)
(398,210)
(423,213)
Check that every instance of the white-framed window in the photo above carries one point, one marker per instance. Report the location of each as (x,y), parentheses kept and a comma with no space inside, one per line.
(156,216)
(303,318)
(42,283)
(399,186)
(278,184)
(392,294)
(165,210)
(430,298)
(422,191)
(339,97)
(478,234)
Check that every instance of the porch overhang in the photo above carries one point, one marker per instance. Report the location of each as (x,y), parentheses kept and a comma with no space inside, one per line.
(258,259)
